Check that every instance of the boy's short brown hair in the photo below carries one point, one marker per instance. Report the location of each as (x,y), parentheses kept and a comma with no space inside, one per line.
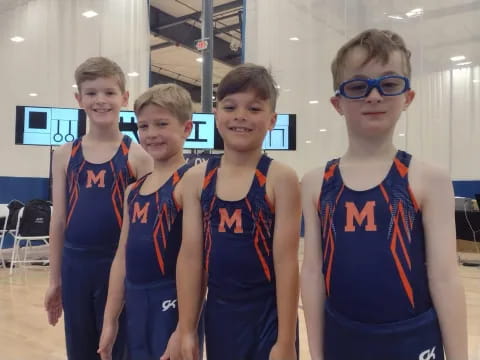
(379,44)
(171,97)
(249,77)
(99,67)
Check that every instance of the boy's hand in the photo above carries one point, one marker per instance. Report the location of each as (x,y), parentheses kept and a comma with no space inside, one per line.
(53,304)
(189,349)
(173,347)
(107,339)
(283,352)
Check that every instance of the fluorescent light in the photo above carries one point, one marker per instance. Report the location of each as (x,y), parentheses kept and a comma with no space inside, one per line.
(476,81)
(402,134)
(277,86)
(133,74)
(463,63)
(308,141)
(199,59)
(313,102)
(89,14)
(323,130)
(287,90)
(17,39)
(33,94)
(293,38)
(415,12)
(395,17)
(458,58)
(74,86)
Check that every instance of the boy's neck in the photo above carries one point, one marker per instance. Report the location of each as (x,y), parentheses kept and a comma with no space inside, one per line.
(169,165)
(241,159)
(111,133)
(371,148)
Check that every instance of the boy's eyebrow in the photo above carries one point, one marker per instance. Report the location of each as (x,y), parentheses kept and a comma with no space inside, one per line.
(361,76)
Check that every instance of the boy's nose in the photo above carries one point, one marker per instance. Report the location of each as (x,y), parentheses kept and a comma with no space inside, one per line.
(240,114)
(374,96)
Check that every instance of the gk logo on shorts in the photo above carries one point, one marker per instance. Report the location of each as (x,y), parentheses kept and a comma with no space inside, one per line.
(428,354)
(359,217)
(167,304)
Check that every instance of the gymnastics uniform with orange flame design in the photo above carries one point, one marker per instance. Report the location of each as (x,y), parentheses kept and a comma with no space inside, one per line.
(154,239)
(378,303)
(94,218)
(241,310)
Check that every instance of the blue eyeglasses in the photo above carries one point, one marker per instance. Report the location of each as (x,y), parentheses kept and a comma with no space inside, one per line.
(390,85)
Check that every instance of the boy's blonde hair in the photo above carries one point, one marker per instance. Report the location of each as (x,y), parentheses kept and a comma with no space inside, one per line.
(99,67)
(171,97)
(249,77)
(379,45)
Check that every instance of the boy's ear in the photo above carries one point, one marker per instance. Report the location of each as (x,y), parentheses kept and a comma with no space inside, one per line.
(78,97)
(273,121)
(409,96)
(335,101)
(187,128)
(126,96)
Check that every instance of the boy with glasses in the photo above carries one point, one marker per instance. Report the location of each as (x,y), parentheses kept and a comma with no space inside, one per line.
(379,277)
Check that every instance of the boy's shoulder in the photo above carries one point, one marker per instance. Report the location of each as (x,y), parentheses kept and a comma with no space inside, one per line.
(427,179)
(62,153)
(281,174)
(141,161)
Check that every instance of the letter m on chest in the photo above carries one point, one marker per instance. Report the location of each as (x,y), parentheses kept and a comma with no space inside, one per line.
(230,221)
(355,217)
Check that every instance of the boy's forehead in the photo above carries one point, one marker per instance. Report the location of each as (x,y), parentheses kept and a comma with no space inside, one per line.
(355,64)
(110,81)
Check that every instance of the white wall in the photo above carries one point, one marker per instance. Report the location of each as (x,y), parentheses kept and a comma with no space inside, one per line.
(57,39)
(442,125)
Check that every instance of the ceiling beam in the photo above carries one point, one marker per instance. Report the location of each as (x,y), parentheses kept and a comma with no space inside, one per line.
(157,78)
(185,35)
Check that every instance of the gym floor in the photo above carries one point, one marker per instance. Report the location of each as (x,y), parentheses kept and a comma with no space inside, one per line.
(26,334)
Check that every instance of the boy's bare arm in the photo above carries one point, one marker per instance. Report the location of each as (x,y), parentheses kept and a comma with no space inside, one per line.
(140,160)
(116,290)
(446,287)
(57,232)
(312,282)
(190,262)
(116,287)
(285,250)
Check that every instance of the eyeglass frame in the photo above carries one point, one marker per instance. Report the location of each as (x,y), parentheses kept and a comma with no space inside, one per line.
(371,84)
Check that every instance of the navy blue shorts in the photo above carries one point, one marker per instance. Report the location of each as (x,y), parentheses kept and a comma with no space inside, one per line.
(85,276)
(152,316)
(418,338)
(241,329)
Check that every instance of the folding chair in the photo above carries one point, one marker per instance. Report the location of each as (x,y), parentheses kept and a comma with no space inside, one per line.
(4,211)
(18,238)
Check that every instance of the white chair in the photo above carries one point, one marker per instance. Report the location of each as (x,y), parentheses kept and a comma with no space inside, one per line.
(4,211)
(18,238)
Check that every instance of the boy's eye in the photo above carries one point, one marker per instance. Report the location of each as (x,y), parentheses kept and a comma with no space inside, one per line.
(255,109)
(228,107)
(142,126)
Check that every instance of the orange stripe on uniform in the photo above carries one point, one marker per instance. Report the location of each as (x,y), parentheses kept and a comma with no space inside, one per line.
(329,172)
(401,272)
(401,168)
(412,198)
(208,178)
(384,193)
(262,179)
(124,148)
(176,178)
(266,270)
(75,149)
